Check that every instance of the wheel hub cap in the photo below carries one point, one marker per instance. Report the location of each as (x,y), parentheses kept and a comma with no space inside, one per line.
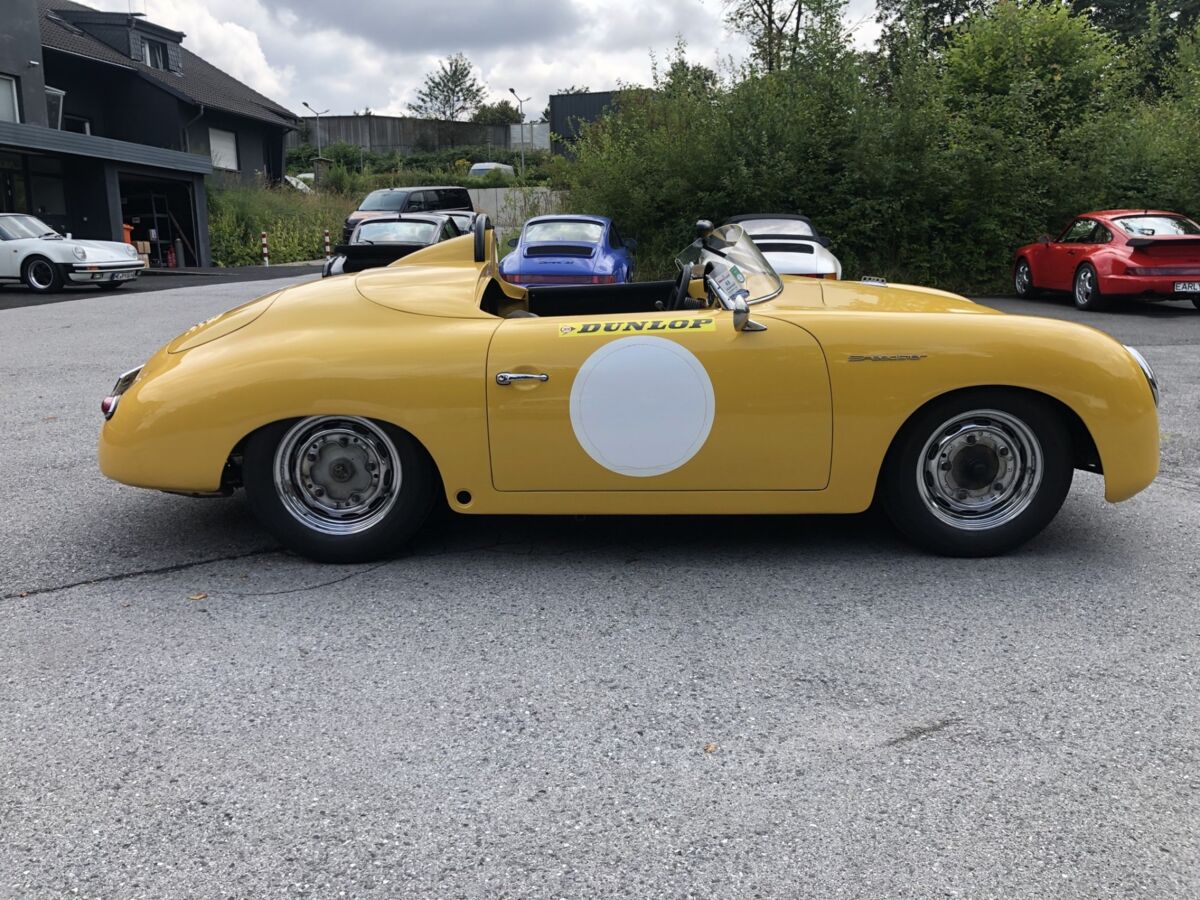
(337,475)
(980,470)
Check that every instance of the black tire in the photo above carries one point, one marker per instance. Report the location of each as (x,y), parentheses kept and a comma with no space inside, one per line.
(41,275)
(111,285)
(1196,302)
(985,516)
(1085,289)
(394,478)
(1023,281)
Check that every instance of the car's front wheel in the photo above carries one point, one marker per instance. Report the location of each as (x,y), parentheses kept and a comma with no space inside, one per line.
(1087,289)
(41,276)
(978,473)
(338,489)
(1023,280)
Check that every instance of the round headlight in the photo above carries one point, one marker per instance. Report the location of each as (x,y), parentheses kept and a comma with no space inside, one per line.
(1146,370)
(130,250)
(79,252)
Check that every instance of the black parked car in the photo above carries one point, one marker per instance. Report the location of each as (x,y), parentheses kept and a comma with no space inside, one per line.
(382,240)
(411,199)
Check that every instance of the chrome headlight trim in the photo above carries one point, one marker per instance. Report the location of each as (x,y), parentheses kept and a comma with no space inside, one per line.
(1146,370)
(79,252)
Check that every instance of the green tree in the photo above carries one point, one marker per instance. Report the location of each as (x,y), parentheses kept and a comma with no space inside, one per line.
(1126,19)
(450,92)
(499,113)
(772,26)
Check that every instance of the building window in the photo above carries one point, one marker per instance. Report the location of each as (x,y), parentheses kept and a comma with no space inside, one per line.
(8,100)
(54,106)
(154,54)
(222,145)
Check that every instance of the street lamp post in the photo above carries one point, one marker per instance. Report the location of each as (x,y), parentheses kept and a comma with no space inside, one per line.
(318,115)
(521,108)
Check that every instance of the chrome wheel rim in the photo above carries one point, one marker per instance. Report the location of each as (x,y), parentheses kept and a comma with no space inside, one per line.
(337,474)
(1024,279)
(980,470)
(41,275)
(1085,286)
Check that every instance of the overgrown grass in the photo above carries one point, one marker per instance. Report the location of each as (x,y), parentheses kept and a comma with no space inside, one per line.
(295,223)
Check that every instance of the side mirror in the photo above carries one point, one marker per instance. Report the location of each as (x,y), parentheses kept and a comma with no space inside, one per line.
(512,242)
(631,243)
(1045,239)
(741,317)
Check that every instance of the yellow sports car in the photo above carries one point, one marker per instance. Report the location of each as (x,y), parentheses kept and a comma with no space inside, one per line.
(348,406)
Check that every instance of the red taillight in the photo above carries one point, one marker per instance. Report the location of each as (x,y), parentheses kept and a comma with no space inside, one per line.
(604,279)
(512,279)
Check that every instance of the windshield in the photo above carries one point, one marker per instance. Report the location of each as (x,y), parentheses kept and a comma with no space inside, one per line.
(736,261)
(396,233)
(1149,226)
(378,201)
(14,228)
(580,232)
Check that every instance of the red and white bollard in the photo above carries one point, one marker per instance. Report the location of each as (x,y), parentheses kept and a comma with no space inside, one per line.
(327,243)
(266,252)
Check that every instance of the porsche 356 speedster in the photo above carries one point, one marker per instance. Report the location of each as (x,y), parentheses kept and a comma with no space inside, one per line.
(347,407)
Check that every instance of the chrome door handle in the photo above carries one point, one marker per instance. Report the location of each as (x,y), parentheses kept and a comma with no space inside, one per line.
(509,377)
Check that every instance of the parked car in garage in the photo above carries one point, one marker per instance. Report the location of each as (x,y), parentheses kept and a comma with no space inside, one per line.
(1115,254)
(791,244)
(34,253)
(349,406)
(381,241)
(409,199)
(569,249)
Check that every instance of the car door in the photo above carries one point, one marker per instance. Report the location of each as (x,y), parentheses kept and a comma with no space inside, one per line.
(663,401)
(1062,257)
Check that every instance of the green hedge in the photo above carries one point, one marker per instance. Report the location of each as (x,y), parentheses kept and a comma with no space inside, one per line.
(295,223)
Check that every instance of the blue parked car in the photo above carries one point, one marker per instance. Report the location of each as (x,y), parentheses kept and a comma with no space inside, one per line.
(568,249)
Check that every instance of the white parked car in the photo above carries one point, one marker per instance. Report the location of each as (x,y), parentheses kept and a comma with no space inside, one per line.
(34,253)
(791,244)
(487,168)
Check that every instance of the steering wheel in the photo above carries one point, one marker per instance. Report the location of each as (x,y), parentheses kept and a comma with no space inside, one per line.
(681,288)
(480,229)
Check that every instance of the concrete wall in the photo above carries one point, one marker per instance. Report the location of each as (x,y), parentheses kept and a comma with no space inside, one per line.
(20,42)
(391,134)
(508,208)
(533,135)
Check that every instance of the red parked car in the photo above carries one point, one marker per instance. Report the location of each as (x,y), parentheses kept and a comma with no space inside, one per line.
(1128,253)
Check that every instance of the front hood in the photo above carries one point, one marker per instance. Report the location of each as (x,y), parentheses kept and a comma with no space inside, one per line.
(902,298)
(100,251)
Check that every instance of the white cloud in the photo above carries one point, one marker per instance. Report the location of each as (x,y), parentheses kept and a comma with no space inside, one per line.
(345,57)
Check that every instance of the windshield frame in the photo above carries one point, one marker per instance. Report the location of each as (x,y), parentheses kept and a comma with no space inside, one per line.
(729,247)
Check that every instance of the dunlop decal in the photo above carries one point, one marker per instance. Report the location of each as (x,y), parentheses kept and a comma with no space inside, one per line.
(643,326)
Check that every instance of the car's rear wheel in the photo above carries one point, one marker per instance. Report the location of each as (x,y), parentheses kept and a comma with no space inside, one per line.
(1196,302)
(41,276)
(1087,289)
(978,473)
(338,489)
(1023,280)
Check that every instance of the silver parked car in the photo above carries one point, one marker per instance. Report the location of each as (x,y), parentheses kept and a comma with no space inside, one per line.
(791,244)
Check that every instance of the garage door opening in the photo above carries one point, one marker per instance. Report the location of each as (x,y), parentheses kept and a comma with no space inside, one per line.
(162,214)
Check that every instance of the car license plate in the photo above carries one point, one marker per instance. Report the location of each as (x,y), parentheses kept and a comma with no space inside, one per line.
(123,276)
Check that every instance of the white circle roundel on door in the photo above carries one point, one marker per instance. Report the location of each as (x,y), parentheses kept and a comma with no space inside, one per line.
(642,406)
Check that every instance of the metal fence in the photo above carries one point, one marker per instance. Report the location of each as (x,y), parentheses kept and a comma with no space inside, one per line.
(394,134)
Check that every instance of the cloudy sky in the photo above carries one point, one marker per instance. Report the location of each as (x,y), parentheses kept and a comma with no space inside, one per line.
(344,56)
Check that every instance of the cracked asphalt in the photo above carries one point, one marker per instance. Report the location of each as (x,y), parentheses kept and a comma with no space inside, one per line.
(566,708)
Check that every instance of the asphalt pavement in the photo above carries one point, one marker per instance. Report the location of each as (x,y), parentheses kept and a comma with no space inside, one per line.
(545,707)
